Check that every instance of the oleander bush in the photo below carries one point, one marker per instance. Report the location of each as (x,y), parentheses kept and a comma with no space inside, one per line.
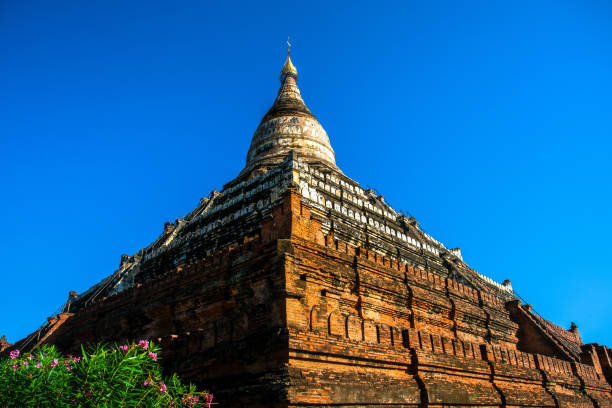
(103,376)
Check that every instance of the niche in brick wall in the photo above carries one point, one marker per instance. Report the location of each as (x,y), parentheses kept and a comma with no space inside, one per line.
(318,322)
(353,328)
(369,331)
(336,324)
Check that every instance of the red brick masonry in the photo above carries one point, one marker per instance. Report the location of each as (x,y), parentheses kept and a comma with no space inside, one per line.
(289,317)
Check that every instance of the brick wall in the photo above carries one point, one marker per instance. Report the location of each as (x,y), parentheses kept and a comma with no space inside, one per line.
(291,316)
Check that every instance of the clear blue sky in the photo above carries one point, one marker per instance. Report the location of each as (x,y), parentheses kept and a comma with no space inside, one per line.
(488,121)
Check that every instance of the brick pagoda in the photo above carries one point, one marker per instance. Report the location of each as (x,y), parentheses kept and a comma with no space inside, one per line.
(295,287)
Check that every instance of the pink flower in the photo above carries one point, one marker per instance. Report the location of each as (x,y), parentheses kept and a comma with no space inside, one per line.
(14,354)
(54,362)
(162,387)
(73,358)
(124,348)
(68,368)
(190,399)
(25,363)
(153,355)
(147,383)
(38,365)
(144,344)
(14,367)
(209,399)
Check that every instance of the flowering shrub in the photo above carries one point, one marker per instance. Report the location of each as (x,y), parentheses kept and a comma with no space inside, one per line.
(104,376)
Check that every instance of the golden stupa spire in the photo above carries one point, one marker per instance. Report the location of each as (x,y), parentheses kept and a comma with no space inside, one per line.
(288,69)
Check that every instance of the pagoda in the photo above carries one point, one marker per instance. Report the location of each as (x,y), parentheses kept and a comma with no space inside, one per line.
(294,286)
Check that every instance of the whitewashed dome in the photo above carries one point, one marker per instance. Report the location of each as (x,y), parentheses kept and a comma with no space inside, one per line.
(289,126)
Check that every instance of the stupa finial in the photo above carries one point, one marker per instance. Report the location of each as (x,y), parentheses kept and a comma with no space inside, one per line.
(289,70)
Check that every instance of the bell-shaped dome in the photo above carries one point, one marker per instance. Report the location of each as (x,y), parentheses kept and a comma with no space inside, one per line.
(289,126)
